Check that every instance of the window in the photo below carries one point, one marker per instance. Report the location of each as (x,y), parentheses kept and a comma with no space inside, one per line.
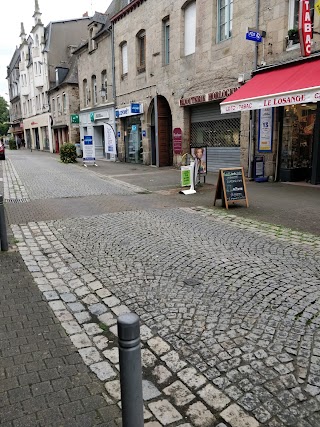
(166,41)
(190,28)
(53,107)
(141,42)
(104,84)
(293,20)
(94,89)
(35,68)
(225,12)
(39,68)
(91,41)
(58,106)
(85,93)
(37,40)
(124,58)
(64,103)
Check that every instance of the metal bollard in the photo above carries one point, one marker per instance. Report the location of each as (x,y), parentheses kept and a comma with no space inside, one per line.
(130,370)
(3,228)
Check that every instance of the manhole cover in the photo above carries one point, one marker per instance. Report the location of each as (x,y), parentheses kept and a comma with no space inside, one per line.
(192,282)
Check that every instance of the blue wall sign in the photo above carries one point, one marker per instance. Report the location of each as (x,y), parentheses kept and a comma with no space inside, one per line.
(118,134)
(135,108)
(254,36)
(144,133)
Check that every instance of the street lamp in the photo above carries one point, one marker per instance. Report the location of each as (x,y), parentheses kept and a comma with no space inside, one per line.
(103,91)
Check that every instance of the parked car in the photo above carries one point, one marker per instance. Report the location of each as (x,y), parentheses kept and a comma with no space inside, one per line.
(2,151)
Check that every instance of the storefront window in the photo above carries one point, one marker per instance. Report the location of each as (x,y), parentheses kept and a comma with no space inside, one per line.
(45,137)
(134,150)
(297,139)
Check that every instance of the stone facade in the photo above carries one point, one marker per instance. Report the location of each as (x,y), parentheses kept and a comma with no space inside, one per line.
(213,66)
(13,77)
(95,73)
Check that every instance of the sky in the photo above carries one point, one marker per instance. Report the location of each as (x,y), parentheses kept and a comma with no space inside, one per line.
(17,11)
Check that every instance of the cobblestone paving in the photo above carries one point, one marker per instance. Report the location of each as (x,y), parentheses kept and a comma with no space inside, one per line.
(229,307)
(231,316)
(49,178)
(12,185)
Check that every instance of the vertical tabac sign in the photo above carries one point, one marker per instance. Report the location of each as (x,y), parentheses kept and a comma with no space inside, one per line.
(305,27)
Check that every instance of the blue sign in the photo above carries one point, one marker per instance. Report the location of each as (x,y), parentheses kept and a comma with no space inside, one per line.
(134,128)
(88,140)
(144,133)
(118,134)
(254,36)
(135,108)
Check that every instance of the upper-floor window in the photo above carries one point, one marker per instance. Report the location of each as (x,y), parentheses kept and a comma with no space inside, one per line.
(104,85)
(141,44)
(85,90)
(225,13)
(37,40)
(293,18)
(190,28)
(124,58)
(94,89)
(92,44)
(40,67)
(64,103)
(59,106)
(53,106)
(166,40)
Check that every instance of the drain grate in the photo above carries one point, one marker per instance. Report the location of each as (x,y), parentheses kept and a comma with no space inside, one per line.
(16,200)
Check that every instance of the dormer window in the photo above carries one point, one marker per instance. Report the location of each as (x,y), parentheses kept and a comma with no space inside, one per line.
(92,44)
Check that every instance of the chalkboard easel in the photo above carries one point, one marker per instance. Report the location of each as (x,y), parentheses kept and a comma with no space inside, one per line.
(231,186)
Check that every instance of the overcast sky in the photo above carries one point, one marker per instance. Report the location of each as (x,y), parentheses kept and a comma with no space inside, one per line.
(17,11)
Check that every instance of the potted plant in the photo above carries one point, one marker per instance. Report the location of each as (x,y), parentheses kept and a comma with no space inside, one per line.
(293,34)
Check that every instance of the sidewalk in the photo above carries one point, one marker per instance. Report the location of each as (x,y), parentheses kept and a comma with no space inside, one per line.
(291,205)
(44,381)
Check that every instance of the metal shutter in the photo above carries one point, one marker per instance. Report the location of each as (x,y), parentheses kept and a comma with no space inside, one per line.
(222,157)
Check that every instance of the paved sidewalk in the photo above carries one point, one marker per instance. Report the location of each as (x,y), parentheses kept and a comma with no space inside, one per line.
(44,381)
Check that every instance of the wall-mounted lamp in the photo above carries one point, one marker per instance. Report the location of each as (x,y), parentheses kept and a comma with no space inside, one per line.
(103,91)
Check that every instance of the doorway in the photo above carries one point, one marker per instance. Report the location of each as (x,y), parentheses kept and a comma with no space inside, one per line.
(161,150)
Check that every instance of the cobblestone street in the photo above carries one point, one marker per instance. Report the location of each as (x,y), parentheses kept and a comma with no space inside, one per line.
(230,307)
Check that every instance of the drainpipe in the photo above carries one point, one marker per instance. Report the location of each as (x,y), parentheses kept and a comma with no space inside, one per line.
(114,86)
(253,118)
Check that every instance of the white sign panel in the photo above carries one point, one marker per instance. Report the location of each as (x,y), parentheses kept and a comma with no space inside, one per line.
(291,98)
(110,139)
(265,130)
(88,149)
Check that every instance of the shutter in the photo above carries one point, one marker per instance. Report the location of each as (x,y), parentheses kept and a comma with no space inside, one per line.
(222,157)
(190,29)
(210,112)
(124,51)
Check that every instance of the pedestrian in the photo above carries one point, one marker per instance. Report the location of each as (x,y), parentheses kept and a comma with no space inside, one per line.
(23,142)
(18,142)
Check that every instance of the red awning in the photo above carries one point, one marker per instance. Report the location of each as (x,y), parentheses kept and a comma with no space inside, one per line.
(292,84)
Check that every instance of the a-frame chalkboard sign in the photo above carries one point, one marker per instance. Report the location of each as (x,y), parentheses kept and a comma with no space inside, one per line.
(231,187)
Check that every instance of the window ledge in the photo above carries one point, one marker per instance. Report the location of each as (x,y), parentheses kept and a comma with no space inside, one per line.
(124,76)
(141,70)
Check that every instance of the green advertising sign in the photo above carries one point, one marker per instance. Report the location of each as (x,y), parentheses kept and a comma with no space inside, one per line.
(185,177)
(74,118)
(92,117)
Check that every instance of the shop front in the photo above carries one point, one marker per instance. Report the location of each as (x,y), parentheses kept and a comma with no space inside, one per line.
(291,93)
(37,132)
(220,135)
(131,149)
(100,125)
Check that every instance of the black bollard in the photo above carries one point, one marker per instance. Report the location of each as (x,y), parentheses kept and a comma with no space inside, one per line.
(130,370)
(3,228)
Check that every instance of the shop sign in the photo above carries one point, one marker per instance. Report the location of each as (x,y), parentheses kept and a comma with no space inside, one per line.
(208,97)
(33,123)
(312,95)
(21,125)
(177,140)
(101,115)
(185,176)
(88,149)
(305,27)
(265,130)
(92,117)
(317,7)
(110,139)
(131,110)
(74,118)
